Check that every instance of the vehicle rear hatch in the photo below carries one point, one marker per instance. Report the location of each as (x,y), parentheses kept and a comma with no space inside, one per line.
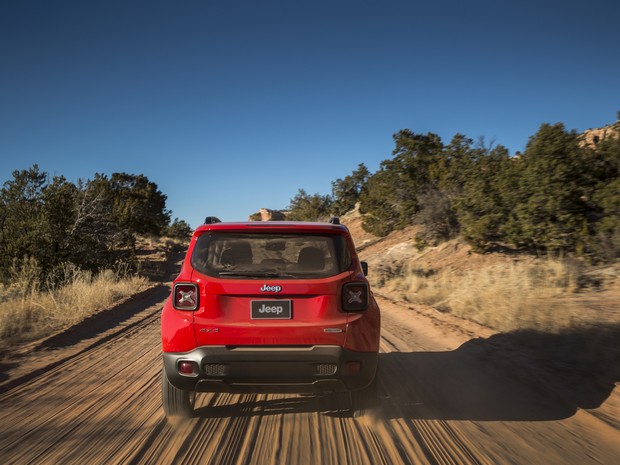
(271,286)
(269,312)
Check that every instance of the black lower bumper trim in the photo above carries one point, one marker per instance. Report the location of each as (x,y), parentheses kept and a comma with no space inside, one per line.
(313,369)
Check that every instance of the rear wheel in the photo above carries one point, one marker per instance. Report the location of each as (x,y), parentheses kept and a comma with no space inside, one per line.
(365,402)
(176,402)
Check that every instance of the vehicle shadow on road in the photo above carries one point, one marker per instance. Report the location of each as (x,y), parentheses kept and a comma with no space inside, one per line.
(517,376)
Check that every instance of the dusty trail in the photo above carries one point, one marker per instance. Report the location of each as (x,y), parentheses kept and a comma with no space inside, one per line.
(445,401)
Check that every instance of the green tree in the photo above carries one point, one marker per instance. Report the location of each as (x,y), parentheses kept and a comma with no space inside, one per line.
(346,192)
(483,206)
(551,198)
(451,175)
(178,229)
(305,207)
(437,215)
(456,165)
(59,215)
(604,244)
(91,224)
(390,199)
(138,205)
(21,217)
(378,203)
(96,238)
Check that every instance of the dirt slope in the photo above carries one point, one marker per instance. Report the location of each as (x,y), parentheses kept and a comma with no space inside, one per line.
(452,393)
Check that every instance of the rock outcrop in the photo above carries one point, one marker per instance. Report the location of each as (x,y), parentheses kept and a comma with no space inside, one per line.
(592,137)
(265,214)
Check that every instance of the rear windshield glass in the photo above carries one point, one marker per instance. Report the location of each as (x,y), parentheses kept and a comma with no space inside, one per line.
(261,255)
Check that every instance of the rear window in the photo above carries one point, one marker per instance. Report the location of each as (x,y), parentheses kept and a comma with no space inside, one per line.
(262,255)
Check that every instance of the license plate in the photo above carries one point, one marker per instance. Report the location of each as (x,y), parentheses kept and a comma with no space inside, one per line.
(270,310)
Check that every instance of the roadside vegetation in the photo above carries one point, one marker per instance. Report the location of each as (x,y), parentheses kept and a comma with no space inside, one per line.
(563,313)
(557,203)
(555,208)
(31,308)
(69,249)
(561,196)
(543,294)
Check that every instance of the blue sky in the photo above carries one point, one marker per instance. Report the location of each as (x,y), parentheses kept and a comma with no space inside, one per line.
(230,106)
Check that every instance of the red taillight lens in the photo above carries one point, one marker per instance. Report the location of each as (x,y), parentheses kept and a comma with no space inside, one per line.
(188,368)
(352,368)
(185,296)
(355,297)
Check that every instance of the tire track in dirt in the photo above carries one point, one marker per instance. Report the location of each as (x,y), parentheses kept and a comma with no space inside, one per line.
(103,405)
(71,402)
(462,397)
(438,441)
(41,358)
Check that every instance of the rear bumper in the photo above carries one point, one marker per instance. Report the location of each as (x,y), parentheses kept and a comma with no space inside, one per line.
(311,369)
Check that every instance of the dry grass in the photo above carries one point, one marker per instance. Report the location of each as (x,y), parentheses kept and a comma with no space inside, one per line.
(506,296)
(27,311)
(30,308)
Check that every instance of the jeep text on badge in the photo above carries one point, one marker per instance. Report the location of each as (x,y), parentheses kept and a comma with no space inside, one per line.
(275,309)
(267,288)
(270,307)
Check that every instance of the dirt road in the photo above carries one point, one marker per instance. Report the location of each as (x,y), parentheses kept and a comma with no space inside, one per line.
(92,396)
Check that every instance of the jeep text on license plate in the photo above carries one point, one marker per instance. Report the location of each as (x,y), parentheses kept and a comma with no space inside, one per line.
(270,310)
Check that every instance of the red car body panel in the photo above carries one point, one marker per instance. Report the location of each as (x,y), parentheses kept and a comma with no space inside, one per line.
(177,333)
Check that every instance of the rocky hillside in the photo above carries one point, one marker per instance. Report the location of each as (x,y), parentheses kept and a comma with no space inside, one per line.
(592,137)
(502,289)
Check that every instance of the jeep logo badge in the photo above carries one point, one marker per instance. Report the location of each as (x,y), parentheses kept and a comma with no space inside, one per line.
(267,288)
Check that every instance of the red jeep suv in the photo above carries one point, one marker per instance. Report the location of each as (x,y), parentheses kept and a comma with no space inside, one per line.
(270,307)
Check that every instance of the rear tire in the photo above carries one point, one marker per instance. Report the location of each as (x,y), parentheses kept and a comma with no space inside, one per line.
(176,402)
(365,402)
